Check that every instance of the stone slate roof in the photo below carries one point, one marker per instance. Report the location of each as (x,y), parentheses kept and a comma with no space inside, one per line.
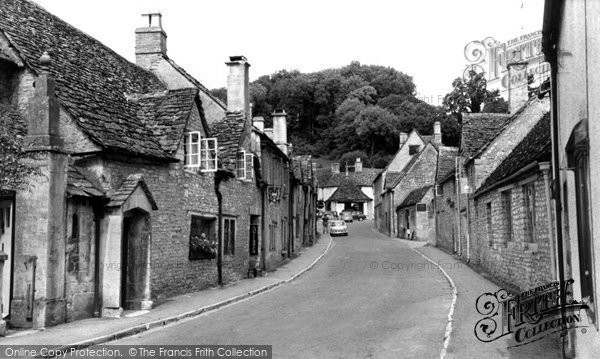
(364,178)
(446,162)
(166,114)
(12,121)
(82,183)
(541,110)
(414,197)
(128,186)
(536,146)
(348,192)
(93,83)
(229,132)
(400,175)
(478,129)
(390,178)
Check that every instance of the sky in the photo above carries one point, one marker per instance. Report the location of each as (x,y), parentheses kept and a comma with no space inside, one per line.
(424,39)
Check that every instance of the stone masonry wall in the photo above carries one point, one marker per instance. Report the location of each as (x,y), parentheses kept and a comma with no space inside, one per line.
(446,223)
(512,259)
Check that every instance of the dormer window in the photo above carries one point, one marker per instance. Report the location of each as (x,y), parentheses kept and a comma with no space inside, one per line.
(200,153)
(413,149)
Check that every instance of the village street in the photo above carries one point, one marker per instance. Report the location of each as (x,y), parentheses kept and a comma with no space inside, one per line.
(354,303)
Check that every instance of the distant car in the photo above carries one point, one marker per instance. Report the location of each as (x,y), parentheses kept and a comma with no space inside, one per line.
(338,228)
(347,216)
(358,215)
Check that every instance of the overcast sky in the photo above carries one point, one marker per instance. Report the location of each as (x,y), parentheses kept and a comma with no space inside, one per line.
(422,38)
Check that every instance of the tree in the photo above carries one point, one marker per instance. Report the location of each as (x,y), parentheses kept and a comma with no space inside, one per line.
(350,159)
(377,127)
(220,93)
(14,170)
(469,95)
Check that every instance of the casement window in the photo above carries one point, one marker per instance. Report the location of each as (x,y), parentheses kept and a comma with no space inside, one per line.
(200,153)
(203,238)
(229,236)
(530,215)
(506,197)
(245,166)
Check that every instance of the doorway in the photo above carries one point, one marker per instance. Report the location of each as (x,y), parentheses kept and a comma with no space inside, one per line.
(135,260)
(6,246)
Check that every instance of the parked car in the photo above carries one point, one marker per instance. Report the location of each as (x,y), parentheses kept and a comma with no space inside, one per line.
(338,228)
(358,215)
(347,216)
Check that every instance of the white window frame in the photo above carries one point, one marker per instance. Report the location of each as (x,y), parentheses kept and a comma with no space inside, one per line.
(204,162)
(240,165)
(249,166)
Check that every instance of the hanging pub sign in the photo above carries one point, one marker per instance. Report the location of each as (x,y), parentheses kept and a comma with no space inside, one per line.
(274,194)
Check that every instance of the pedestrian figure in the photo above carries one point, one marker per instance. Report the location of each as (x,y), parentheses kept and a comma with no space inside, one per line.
(325,223)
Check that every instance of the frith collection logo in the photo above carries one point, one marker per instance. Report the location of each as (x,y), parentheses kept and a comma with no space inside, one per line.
(528,316)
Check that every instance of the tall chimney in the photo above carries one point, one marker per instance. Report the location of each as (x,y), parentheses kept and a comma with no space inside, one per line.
(437,132)
(358,165)
(517,86)
(335,167)
(238,98)
(150,41)
(403,137)
(280,129)
(259,123)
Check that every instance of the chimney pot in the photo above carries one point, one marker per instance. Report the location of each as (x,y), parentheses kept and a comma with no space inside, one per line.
(335,167)
(259,123)
(358,165)
(150,41)
(437,132)
(280,129)
(238,84)
(403,137)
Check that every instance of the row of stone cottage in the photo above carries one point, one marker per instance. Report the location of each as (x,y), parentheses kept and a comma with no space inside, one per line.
(517,197)
(141,172)
(487,200)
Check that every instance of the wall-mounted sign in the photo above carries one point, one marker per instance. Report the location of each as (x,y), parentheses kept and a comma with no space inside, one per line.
(492,57)
(274,194)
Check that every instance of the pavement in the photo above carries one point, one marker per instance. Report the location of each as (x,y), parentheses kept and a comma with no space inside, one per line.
(92,331)
(469,286)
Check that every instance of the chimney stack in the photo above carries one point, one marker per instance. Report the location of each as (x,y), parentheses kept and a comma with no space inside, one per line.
(259,123)
(437,132)
(335,167)
(150,41)
(518,93)
(238,98)
(280,129)
(403,137)
(358,165)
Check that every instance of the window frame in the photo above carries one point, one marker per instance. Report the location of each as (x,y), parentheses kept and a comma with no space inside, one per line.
(240,165)
(187,150)
(204,162)
(529,199)
(229,235)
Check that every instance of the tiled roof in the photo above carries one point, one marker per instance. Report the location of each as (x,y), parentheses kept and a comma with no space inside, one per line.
(349,192)
(93,83)
(229,132)
(414,196)
(390,178)
(82,183)
(127,188)
(446,162)
(401,174)
(537,111)
(166,114)
(12,121)
(478,129)
(536,146)
(363,178)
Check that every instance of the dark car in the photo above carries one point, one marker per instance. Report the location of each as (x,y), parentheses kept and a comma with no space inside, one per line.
(329,215)
(347,216)
(358,215)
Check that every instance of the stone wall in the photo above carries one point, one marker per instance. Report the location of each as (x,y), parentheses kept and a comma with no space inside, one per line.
(446,220)
(512,258)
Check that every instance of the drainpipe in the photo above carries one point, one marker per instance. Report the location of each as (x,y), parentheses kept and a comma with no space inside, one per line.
(263,255)
(545,168)
(458,246)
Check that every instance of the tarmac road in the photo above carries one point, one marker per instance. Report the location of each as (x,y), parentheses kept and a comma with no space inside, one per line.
(371,296)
